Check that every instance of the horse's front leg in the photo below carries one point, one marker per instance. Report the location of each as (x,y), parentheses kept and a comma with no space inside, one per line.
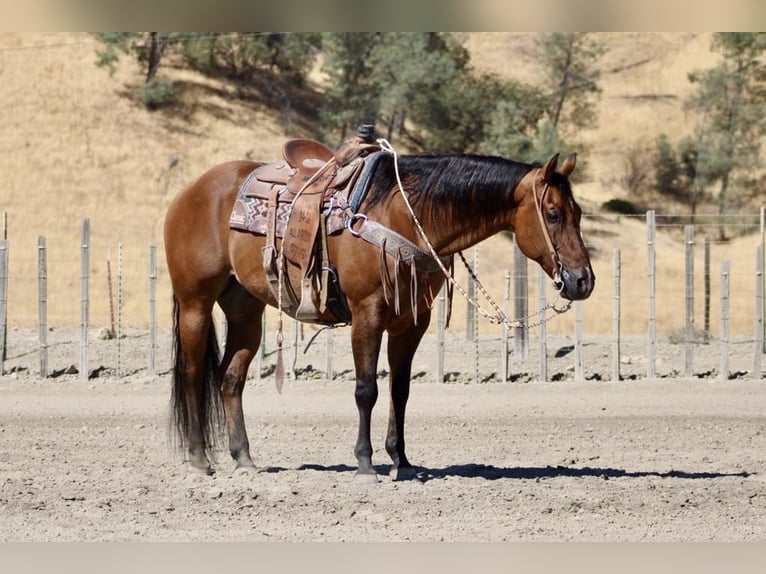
(401,350)
(366,335)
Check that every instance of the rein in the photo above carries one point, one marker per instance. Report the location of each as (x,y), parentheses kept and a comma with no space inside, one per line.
(499,317)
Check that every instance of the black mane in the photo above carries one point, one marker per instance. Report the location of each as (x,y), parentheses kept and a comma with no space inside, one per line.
(451,181)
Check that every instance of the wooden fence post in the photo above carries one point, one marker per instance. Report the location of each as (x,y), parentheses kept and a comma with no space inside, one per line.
(152,366)
(441,319)
(542,343)
(475,326)
(4,293)
(651,232)
(329,372)
(42,304)
(758,350)
(579,373)
(520,303)
(504,365)
(616,317)
(724,320)
(470,313)
(763,265)
(118,332)
(261,348)
(294,327)
(707,287)
(689,315)
(84,297)
(3,302)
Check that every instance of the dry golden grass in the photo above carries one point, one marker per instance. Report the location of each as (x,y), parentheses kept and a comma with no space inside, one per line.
(75,145)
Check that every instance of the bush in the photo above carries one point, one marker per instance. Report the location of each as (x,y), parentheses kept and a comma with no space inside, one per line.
(158,93)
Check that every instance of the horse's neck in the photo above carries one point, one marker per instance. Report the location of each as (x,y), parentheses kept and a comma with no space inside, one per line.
(453,229)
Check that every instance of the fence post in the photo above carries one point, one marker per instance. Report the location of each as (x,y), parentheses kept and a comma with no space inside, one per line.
(763,278)
(470,310)
(328,370)
(84,297)
(542,343)
(616,318)
(651,232)
(520,303)
(294,327)
(689,338)
(3,302)
(724,320)
(42,305)
(506,334)
(441,319)
(758,350)
(118,333)
(4,294)
(707,287)
(475,329)
(152,366)
(261,348)
(578,358)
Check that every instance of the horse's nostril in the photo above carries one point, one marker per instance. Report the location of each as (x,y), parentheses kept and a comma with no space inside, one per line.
(585,281)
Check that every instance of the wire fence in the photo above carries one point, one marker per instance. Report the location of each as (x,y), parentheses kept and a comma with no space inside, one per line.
(690,283)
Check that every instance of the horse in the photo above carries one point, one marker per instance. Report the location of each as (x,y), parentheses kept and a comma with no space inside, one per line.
(440,204)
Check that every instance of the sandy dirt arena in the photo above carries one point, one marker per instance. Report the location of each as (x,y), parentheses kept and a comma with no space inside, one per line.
(670,459)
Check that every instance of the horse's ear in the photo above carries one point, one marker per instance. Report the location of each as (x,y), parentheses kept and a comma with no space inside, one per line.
(550,168)
(569,164)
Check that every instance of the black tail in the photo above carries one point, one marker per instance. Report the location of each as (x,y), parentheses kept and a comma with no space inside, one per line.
(210,405)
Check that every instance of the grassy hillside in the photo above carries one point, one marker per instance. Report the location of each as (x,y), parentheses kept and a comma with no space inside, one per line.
(75,143)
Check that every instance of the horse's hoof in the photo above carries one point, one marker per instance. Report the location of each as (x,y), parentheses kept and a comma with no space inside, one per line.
(201,470)
(245,468)
(366,478)
(402,473)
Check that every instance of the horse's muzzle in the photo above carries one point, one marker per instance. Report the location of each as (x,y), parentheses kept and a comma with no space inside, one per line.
(577,282)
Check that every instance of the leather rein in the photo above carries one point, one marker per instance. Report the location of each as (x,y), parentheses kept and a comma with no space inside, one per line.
(499,317)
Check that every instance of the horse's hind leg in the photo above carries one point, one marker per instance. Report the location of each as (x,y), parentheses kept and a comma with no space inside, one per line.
(196,398)
(401,350)
(243,313)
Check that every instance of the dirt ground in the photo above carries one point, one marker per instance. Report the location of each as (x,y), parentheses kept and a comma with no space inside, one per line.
(668,459)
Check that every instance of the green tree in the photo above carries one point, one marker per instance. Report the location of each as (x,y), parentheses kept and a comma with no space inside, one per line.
(241,56)
(517,126)
(409,70)
(668,168)
(148,48)
(731,98)
(531,123)
(454,117)
(569,63)
(351,96)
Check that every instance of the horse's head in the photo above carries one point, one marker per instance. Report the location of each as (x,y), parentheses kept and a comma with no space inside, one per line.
(547,227)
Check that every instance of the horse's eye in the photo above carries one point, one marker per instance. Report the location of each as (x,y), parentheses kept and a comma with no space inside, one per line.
(553,216)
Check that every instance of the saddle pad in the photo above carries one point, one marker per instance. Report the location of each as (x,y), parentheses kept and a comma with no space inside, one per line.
(249,214)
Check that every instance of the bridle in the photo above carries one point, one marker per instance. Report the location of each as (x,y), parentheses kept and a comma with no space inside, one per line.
(558,284)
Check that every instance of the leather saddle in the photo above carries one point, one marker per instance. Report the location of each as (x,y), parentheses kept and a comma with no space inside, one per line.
(300,199)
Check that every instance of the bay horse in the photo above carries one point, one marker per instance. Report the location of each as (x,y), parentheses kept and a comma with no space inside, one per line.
(455,200)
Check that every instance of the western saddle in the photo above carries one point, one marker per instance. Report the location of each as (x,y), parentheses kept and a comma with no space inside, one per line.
(295,200)
(311,193)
